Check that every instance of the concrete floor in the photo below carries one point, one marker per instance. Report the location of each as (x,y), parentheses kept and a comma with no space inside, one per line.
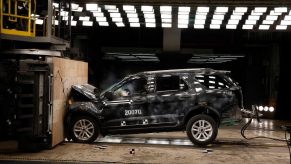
(173,147)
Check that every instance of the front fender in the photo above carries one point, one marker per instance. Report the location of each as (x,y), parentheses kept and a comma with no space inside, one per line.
(79,109)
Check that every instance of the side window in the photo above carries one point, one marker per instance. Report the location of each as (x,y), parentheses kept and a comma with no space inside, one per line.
(170,83)
(212,81)
(132,87)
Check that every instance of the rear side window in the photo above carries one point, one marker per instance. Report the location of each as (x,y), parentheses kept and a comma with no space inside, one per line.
(170,83)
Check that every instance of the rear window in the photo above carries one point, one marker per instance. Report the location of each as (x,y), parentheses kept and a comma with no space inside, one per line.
(212,81)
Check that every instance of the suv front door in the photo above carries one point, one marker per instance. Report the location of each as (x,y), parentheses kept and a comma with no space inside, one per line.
(128,105)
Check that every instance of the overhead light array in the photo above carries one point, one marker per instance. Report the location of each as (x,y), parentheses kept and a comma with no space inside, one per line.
(183,17)
(200,17)
(166,16)
(149,16)
(261,18)
(213,58)
(218,17)
(236,17)
(132,16)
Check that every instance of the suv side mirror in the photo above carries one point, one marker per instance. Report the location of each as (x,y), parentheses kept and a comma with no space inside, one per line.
(108,95)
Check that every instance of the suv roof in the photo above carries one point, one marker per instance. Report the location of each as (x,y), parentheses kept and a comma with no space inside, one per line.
(192,70)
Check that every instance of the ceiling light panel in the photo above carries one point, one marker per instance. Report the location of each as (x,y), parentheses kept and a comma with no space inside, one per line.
(280,9)
(221,9)
(101,19)
(103,23)
(198,26)
(264,27)
(202,9)
(87,23)
(147,8)
(231,26)
(134,24)
(150,20)
(247,27)
(280,27)
(166,25)
(260,9)
(165,9)
(91,7)
(241,9)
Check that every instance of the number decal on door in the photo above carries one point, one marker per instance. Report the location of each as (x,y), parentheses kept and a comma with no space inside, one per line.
(133,112)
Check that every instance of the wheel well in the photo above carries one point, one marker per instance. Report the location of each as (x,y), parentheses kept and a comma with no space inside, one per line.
(202,110)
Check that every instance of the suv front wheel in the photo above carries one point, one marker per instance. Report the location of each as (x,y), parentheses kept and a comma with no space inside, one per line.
(84,129)
(202,129)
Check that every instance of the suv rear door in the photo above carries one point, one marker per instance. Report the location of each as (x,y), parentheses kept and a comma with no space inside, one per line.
(171,96)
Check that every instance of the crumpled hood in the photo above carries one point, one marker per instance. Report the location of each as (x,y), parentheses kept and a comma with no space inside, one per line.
(86,90)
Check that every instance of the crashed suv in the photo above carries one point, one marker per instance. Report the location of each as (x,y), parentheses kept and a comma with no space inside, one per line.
(195,100)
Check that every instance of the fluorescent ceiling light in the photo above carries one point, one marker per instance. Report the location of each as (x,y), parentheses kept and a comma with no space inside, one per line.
(280,9)
(87,23)
(165,8)
(268,22)
(218,17)
(272,12)
(39,21)
(149,15)
(254,17)
(221,9)
(256,13)
(119,24)
(166,25)
(113,11)
(272,17)
(91,7)
(279,27)
(213,21)
(235,17)
(79,9)
(134,25)
(65,18)
(117,19)
(203,9)
(103,23)
(73,23)
(241,9)
(237,13)
(110,7)
(183,17)
(56,22)
(248,27)
(182,25)
(198,26)
(114,15)
(197,21)
(101,19)
(56,5)
(166,16)
(97,14)
(128,8)
(284,22)
(133,19)
(150,25)
(166,20)
(231,26)
(150,20)
(147,8)
(233,21)
(183,21)
(251,22)
(214,26)
(200,17)
(184,9)
(260,9)
(132,15)
(74,6)
(85,18)
(264,27)
(287,17)
(64,13)
(199,13)
(131,11)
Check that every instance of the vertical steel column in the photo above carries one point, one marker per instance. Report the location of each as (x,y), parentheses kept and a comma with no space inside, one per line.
(49,20)
(69,21)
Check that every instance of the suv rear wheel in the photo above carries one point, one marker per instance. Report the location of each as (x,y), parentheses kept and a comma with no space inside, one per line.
(202,129)
(84,129)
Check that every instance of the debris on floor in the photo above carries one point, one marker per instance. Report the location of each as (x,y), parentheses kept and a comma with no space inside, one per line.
(100,147)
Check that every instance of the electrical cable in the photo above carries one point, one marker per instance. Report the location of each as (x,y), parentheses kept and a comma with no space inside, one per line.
(288,144)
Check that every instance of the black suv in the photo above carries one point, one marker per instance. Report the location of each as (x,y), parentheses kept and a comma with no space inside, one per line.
(195,100)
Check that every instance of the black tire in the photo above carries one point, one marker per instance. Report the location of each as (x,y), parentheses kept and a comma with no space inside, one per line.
(202,136)
(87,134)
